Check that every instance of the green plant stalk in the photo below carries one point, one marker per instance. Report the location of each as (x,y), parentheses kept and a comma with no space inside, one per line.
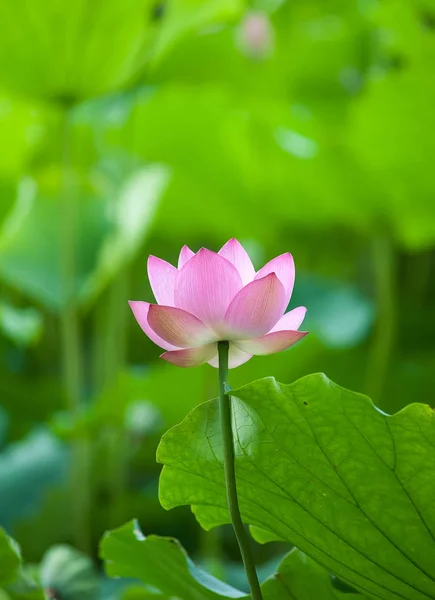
(69,317)
(110,333)
(230,474)
(110,341)
(384,263)
(71,345)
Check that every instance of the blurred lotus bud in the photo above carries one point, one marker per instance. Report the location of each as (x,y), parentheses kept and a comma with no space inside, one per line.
(255,35)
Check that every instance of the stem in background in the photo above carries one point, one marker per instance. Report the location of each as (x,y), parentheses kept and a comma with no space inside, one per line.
(210,550)
(110,333)
(384,262)
(71,345)
(110,346)
(230,474)
(421,277)
(69,317)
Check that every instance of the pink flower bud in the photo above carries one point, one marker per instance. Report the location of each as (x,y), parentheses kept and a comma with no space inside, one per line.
(255,35)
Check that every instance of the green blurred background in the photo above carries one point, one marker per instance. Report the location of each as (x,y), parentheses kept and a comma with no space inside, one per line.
(132,127)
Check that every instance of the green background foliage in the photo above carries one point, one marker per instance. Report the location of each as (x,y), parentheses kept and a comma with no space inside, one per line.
(130,128)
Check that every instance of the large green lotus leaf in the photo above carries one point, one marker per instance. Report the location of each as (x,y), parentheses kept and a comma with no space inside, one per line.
(163,564)
(31,238)
(321,467)
(301,578)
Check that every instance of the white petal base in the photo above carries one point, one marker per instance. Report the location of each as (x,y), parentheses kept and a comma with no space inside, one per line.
(235,359)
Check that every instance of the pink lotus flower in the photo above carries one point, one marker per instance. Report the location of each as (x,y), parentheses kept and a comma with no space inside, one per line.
(213,297)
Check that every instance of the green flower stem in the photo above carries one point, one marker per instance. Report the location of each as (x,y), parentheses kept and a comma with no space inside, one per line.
(230,474)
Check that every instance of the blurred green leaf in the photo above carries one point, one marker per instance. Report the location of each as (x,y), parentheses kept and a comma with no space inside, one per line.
(10,558)
(27,468)
(302,125)
(22,325)
(69,573)
(30,242)
(393,142)
(4,422)
(18,585)
(318,466)
(138,593)
(183,17)
(15,390)
(338,314)
(25,588)
(69,58)
(48,523)
(392,139)
(127,553)
(133,214)
(243,141)
(163,564)
(155,398)
(22,126)
(61,53)
(103,245)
